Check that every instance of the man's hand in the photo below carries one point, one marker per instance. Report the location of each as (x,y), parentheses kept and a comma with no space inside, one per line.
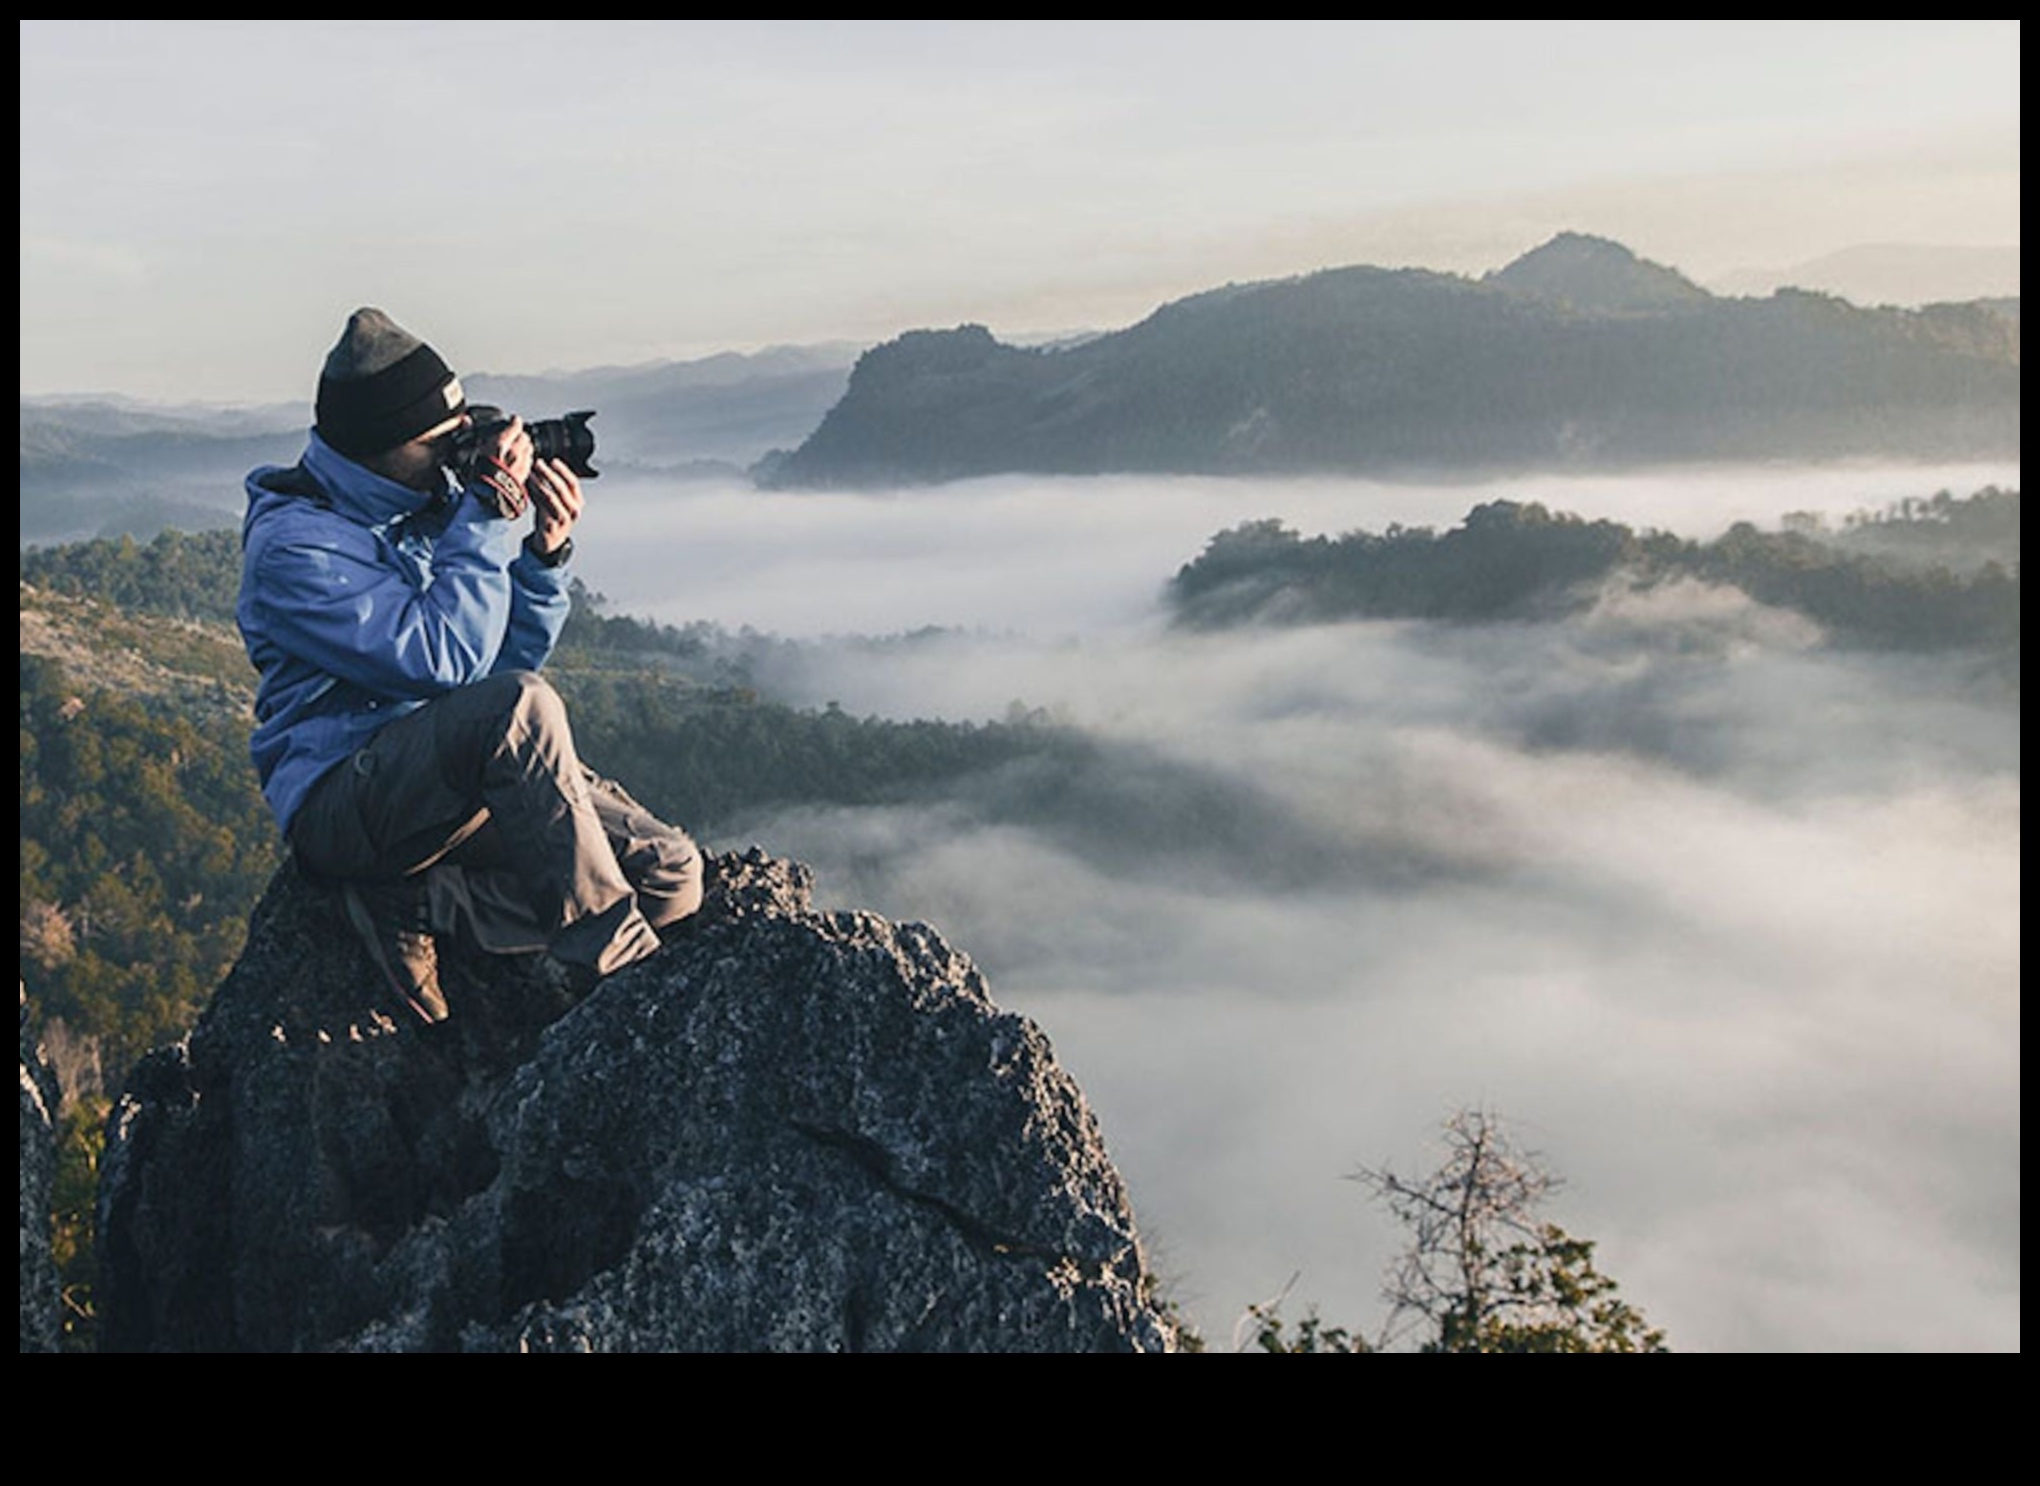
(512,449)
(555,502)
(505,466)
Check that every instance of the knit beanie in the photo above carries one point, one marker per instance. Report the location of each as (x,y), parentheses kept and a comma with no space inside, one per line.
(382,387)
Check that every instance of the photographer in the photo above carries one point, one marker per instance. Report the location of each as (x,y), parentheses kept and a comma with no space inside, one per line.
(412,755)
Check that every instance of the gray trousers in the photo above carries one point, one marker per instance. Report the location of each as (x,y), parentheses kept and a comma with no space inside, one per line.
(522,846)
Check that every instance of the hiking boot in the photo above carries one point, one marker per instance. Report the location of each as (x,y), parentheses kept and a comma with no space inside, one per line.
(394,922)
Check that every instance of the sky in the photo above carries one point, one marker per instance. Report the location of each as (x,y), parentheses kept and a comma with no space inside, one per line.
(203,202)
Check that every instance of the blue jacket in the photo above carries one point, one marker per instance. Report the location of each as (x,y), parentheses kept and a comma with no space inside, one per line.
(362,599)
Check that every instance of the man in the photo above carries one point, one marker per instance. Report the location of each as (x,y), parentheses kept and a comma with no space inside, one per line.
(410,751)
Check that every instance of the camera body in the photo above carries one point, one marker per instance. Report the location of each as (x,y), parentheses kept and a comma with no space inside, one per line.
(568,439)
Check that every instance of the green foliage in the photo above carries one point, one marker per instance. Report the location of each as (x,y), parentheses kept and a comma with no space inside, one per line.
(144,844)
(1865,600)
(1961,533)
(593,635)
(1311,1334)
(1481,1271)
(1509,560)
(1155,1290)
(1548,1297)
(80,1141)
(178,574)
(710,757)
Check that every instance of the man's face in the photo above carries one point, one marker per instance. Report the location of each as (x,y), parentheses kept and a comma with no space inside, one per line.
(417,464)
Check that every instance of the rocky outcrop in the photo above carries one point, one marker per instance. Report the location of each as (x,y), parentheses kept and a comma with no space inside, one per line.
(39,1290)
(790,1130)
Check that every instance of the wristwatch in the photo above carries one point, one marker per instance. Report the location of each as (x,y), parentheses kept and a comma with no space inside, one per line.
(554,558)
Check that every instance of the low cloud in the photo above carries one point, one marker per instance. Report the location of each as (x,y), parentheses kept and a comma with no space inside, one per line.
(1075,558)
(1728,921)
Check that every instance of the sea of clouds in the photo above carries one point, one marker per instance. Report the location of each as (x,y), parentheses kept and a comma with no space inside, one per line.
(1724,920)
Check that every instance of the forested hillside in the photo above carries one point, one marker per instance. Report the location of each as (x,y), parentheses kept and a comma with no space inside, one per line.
(1932,574)
(1577,356)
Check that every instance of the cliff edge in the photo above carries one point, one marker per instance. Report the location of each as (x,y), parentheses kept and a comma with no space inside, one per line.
(791,1130)
(40,1322)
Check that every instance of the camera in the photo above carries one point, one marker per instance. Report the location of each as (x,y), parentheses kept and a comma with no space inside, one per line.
(568,439)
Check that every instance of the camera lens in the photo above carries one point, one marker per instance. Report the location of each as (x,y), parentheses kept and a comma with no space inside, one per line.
(568,439)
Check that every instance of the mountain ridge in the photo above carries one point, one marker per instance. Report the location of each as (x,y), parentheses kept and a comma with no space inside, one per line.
(1895,273)
(102,465)
(1577,355)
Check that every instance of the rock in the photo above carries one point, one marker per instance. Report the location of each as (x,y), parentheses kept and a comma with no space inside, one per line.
(41,1323)
(789,1130)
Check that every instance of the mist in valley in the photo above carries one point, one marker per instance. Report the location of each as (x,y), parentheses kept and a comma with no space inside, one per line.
(1721,914)
(1727,921)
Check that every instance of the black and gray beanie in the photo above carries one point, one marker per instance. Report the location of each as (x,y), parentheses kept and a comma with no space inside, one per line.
(382,387)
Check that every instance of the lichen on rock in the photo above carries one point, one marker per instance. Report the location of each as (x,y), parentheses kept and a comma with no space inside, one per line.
(41,1320)
(791,1129)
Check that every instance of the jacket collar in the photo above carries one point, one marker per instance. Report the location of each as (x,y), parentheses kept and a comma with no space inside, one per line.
(360,492)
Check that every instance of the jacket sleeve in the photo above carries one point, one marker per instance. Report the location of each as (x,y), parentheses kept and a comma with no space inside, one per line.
(335,595)
(538,612)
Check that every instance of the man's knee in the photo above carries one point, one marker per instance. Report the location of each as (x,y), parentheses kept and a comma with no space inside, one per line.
(669,878)
(499,732)
(505,705)
(527,698)
(660,861)
(513,713)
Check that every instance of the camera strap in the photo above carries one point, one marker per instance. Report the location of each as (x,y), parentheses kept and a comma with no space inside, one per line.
(500,490)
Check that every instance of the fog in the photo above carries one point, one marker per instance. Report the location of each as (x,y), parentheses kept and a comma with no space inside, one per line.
(1725,921)
(1072,556)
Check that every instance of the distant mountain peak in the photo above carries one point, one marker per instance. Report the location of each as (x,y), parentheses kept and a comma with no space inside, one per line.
(1596,273)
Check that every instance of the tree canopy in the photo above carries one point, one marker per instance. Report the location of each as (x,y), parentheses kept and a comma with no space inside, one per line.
(1511,560)
(1482,1270)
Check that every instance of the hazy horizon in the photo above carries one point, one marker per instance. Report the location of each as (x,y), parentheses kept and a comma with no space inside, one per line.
(193,229)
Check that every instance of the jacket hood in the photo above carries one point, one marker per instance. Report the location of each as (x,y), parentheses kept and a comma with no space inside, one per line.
(354,490)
